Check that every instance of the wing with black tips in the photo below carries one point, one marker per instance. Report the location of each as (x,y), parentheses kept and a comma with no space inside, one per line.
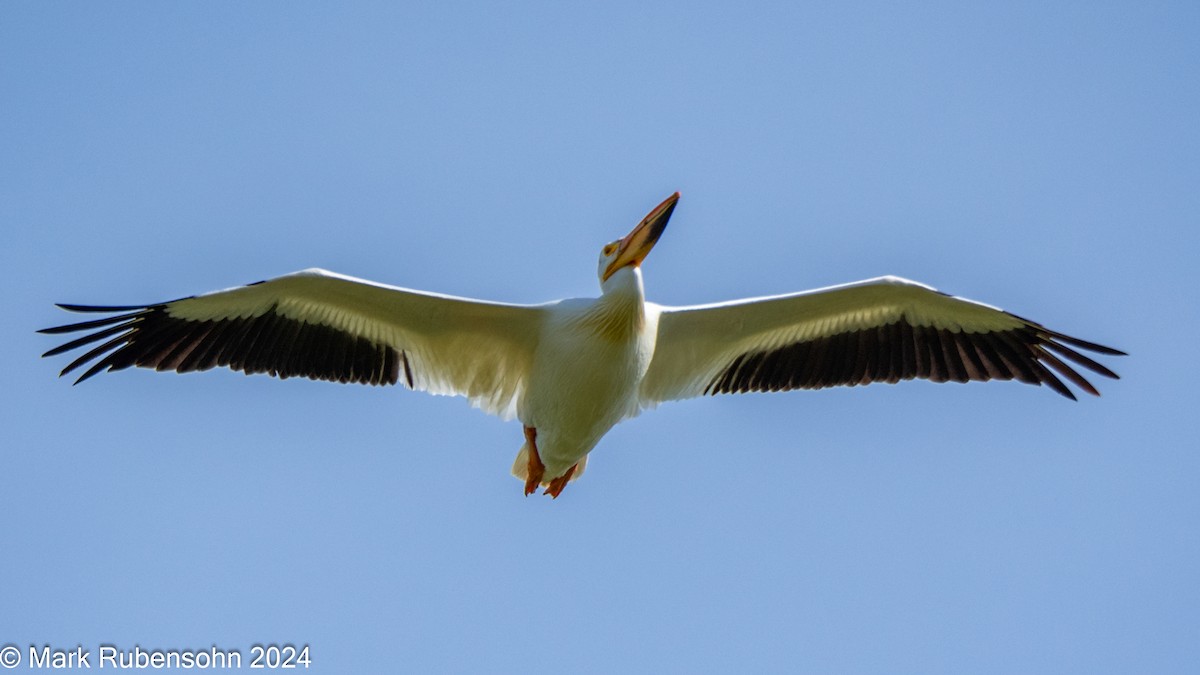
(323,326)
(881,330)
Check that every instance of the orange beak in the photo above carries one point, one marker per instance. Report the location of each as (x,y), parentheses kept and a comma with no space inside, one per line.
(637,244)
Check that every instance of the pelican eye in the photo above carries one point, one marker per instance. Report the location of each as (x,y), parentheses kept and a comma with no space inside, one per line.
(610,249)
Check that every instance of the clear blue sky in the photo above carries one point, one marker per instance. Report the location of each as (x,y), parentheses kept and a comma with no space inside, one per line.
(1043,159)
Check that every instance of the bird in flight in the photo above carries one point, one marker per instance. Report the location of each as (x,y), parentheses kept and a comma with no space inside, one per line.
(572,369)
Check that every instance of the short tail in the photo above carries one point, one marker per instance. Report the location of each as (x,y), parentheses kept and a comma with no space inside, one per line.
(520,467)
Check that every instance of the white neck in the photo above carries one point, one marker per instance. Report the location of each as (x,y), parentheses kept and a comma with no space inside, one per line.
(622,308)
(625,283)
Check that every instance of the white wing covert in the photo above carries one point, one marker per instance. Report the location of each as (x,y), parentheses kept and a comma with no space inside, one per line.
(880,330)
(324,326)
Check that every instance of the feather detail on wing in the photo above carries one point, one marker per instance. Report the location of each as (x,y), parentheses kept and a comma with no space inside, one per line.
(324,326)
(881,330)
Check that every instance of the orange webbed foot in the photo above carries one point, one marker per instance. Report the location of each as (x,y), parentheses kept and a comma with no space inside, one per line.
(557,485)
(536,469)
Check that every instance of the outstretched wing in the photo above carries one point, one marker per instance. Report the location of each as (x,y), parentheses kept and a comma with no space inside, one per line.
(882,330)
(323,326)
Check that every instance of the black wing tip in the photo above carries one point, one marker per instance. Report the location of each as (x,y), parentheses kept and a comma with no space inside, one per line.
(94,370)
(100,308)
(1090,346)
(123,313)
(126,312)
(1070,339)
(1069,393)
(147,336)
(1059,342)
(900,351)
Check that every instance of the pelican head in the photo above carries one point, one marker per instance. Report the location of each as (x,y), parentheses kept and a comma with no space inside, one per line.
(630,251)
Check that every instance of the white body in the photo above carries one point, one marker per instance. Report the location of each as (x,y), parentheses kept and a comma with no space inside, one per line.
(599,350)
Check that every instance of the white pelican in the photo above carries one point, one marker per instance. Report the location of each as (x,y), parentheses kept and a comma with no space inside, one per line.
(570,370)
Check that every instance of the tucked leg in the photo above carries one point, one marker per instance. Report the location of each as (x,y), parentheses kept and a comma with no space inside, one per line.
(536,468)
(557,485)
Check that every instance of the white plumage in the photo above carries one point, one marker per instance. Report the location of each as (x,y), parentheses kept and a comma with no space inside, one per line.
(570,370)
